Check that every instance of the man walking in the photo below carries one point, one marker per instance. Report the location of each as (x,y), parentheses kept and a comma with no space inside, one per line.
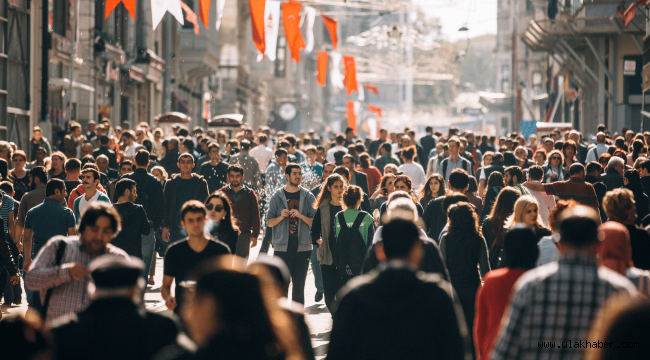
(106,151)
(546,202)
(249,165)
(386,157)
(182,256)
(180,189)
(513,177)
(89,181)
(135,225)
(170,161)
(62,264)
(557,302)
(262,153)
(356,177)
(454,161)
(290,215)
(575,188)
(215,171)
(245,209)
(37,182)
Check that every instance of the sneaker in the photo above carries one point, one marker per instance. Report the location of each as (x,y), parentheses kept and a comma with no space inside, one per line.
(318,297)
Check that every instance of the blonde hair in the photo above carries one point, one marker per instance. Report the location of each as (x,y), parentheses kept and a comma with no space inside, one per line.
(616,202)
(521,205)
(161,169)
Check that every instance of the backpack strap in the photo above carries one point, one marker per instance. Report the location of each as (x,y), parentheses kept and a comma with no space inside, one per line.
(342,222)
(358,220)
(57,261)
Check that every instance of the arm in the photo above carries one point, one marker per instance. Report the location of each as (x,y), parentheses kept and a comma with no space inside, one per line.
(534,186)
(316,229)
(166,292)
(28,248)
(255,217)
(484,257)
(43,274)
(481,188)
(5,255)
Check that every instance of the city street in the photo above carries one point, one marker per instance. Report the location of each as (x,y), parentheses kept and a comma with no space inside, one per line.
(317,316)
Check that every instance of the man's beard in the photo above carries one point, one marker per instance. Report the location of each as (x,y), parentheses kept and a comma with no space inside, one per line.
(511,182)
(235,184)
(295,184)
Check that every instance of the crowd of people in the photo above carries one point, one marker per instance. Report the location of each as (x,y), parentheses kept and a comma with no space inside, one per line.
(453,246)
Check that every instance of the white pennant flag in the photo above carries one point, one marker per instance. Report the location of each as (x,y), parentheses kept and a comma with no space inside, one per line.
(272,26)
(220,6)
(310,18)
(160,7)
(362,94)
(335,74)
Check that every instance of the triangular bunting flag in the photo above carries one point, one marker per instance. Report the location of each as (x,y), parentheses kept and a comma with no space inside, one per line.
(272,27)
(322,67)
(204,11)
(220,6)
(331,25)
(291,18)
(160,7)
(350,75)
(310,18)
(257,23)
(190,16)
(352,117)
(629,14)
(128,4)
(372,88)
(376,109)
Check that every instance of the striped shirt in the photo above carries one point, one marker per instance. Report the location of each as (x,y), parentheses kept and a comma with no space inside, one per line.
(68,296)
(5,209)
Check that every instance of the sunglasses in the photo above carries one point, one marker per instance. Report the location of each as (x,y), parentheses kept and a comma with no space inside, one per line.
(218,208)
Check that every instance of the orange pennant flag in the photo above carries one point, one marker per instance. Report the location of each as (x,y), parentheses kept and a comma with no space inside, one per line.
(204,11)
(372,88)
(352,117)
(350,75)
(629,14)
(291,19)
(257,23)
(376,109)
(112,4)
(331,25)
(322,68)
(190,16)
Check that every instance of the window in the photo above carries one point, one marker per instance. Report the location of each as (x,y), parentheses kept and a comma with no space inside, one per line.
(529,6)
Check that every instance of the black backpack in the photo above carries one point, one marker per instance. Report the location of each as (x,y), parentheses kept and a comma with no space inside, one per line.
(350,247)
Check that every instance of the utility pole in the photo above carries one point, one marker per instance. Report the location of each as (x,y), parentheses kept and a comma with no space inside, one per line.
(167,76)
(515,69)
(45,47)
(72,59)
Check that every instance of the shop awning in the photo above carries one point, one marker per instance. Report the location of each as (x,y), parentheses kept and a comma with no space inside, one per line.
(58,83)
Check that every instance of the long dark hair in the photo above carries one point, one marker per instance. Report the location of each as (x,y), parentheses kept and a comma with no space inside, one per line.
(426,190)
(503,207)
(407,180)
(634,181)
(637,148)
(324,191)
(229,222)
(464,240)
(495,180)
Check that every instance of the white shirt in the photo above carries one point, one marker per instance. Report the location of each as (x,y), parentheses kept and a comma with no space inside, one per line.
(594,153)
(263,155)
(546,203)
(415,172)
(330,152)
(83,204)
(129,151)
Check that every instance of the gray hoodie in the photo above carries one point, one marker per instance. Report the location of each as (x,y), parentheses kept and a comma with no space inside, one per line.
(278,203)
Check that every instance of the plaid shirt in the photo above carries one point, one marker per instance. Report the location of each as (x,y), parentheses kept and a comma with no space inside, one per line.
(555,304)
(68,296)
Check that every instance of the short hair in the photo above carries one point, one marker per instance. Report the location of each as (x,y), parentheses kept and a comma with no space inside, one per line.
(291,139)
(535,172)
(142,158)
(39,172)
(349,157)
(290,168)
(235,168)
(645,165)
(91,170)
(96,210)
(185,155)
(338,155)
(458,179)
(72,164)
(245,144)
(579,224)
(263,138)
(283,144)
(387,146)
(576,168)
(123,185)
(497,157)
(193,206)
(279,152)
(147,145)
(339,139)
(212,145)
(54,184)
(74,126)
(520,248)
(594,166)
(451,199)
(189,144)
(616,202)
(125,162)
(19,153)
(343,171)
(409,152)
(473,185)
(515,171)
(615,162)
(103,139)
(398,238)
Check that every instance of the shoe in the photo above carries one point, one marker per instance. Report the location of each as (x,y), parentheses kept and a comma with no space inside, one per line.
(318,297)
(151,281)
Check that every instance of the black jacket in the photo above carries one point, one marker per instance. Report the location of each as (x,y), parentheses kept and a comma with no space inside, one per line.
(154,204)
(581,153)
(380,312)
(112,158)
(645,183)
(490,197)
(612,179)
(113,328)
(495,166)
(428,142)
(170,162)
(434,218)
(361,181)
(601,190)
(169,194)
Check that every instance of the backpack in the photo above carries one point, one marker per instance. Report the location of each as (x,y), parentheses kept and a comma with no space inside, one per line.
(350,247)
(465,166)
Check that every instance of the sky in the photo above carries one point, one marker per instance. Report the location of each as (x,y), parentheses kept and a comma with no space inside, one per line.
(479,16)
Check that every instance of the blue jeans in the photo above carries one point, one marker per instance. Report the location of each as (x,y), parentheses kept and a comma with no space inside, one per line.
(148,244)
(315,268)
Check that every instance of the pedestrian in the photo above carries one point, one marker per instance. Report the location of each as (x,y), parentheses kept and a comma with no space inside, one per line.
(372,173)
(18,175)
(72,141)
(38,141)
(403,183)
(170,160)
(412,169)
(395,305)
(575,188)
(620,207)
(386,187)
(37,182)
(549,248)
(386,157)
(39,158)
(9,270)
(554,170)
(275,171)
(224,224)
(114,326)
(546,202)
(463,249)
(340,145)
(475,200)
(632,182)
(56,169)
(613,176)
(106,151)
(520,255)
(494,226)
(262,153)
(290,215)
(178,190)
(89,181)
(80,190)
(435,216)
(454,161)
(357,178)
(135,224)
(558,302)
(214,171)
(514,177)
(61,267)
(433,188)
(245,209)
(184,255)
(494,185)
(251,176)
(526,212)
